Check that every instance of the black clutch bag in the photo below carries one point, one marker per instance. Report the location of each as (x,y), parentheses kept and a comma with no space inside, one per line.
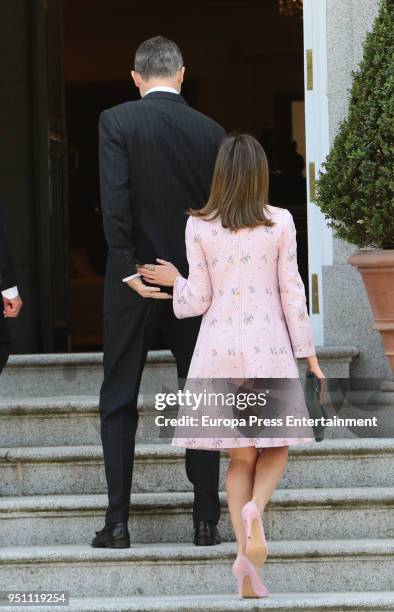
(316,410)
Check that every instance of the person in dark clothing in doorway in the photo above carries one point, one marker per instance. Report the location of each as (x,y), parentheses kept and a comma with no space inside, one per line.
(12,303)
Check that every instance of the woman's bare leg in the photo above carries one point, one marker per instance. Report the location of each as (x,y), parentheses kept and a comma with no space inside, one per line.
(240,479)
(269,469)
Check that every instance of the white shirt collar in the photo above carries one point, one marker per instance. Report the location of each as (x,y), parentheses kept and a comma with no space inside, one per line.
(162,88)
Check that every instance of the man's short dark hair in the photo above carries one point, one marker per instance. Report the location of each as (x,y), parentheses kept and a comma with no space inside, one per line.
(158,57)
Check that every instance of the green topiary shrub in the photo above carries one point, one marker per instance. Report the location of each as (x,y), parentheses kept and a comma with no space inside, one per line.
(355,190)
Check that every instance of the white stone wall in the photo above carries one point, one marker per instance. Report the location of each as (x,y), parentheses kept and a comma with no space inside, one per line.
(347,314)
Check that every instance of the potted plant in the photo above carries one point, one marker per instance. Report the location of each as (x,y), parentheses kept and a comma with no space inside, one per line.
(355,189)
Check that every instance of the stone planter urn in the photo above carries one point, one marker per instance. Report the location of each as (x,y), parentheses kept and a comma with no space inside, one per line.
(377,270)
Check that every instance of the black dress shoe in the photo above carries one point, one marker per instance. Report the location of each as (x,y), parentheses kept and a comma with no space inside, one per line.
(114,535)
(206,534)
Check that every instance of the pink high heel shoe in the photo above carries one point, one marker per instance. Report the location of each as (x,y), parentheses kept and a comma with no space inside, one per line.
(249,583)
(256,544)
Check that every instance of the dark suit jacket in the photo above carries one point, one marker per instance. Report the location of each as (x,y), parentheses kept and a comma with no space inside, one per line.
(7,275)
(157,156)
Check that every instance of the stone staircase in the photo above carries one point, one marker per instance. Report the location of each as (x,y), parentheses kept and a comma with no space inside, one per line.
(330,525)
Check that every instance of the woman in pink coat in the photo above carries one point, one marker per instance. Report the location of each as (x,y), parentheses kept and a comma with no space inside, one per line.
(244,280)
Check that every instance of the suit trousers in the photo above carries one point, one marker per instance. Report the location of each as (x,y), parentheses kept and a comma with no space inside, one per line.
(5,341)
(128,335)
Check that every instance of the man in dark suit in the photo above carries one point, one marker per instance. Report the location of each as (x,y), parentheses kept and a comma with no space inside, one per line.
(157,156)
(9,292)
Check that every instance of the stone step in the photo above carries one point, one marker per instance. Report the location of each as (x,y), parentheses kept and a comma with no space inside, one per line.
(293,514)
(66,421)
(285,602)
(174,569)
(74,420)
(81,373)
(57,374)
(160,468)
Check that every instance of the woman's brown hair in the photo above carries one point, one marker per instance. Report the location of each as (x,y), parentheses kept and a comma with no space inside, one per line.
(239,191)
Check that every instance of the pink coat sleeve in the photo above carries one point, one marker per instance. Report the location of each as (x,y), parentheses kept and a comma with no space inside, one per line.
(292,292)
(192,296)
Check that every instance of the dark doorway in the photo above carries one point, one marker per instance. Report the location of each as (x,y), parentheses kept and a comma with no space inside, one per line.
(244,68)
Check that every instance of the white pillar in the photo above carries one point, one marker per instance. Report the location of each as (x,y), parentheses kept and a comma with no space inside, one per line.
(320,242)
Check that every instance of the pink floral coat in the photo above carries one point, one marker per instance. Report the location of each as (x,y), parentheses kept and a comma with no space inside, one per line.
(247,286)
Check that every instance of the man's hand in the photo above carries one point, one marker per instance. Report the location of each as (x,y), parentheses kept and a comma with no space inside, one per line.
(12,307)
(164,273)
(147,292)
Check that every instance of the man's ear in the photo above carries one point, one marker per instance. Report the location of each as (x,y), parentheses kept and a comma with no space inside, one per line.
(181,75)
(136,78)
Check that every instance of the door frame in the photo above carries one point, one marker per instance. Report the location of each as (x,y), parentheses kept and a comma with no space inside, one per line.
(320,237)
(50,170)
